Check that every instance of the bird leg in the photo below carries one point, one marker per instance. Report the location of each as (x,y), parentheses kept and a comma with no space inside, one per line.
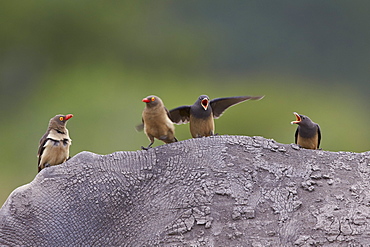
(149,146)
(151,139)
(211,133)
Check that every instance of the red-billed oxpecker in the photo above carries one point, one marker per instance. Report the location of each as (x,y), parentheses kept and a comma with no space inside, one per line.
(203,111)
(156,122)
(308,134)
(54,144)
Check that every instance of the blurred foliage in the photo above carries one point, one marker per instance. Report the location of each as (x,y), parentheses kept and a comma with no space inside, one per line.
(97,60)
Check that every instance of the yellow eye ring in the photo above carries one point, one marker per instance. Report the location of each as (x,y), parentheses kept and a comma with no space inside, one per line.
(61,118)
(153,98)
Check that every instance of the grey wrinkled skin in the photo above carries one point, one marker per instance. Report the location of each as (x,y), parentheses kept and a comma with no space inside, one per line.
(213,191)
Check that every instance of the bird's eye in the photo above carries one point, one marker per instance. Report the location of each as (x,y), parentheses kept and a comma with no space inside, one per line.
(153,98)
(61,118)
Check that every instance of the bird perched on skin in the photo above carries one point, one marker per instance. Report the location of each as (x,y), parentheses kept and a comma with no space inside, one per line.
(54,144)
(308,134)
(156,122)
(203,111)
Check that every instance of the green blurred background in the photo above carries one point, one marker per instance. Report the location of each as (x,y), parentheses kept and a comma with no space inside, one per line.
(98,59)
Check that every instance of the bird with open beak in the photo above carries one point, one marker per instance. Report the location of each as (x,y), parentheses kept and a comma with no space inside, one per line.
(308,134)
(156,122)
(54,144)
(202,113)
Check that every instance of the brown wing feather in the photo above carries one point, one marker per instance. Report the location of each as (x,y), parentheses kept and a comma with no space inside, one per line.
(140,127)
(296,136)
(319,136)
(41,149)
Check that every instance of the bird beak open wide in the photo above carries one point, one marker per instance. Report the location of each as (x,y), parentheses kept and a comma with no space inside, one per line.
(68,117)
(146,100)
(298,118)
(205,103)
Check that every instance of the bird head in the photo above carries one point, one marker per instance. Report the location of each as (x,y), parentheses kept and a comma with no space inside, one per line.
(298,118)
(152,100)
(301,119)
(204,101)
(59,120)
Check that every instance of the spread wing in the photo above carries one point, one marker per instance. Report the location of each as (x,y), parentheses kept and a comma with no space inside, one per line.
(219,105)
(180,115)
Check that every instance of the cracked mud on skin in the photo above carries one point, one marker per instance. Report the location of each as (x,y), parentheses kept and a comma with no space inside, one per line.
(214,191)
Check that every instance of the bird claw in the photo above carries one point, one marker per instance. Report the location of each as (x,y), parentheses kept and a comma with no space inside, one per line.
(145,148)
